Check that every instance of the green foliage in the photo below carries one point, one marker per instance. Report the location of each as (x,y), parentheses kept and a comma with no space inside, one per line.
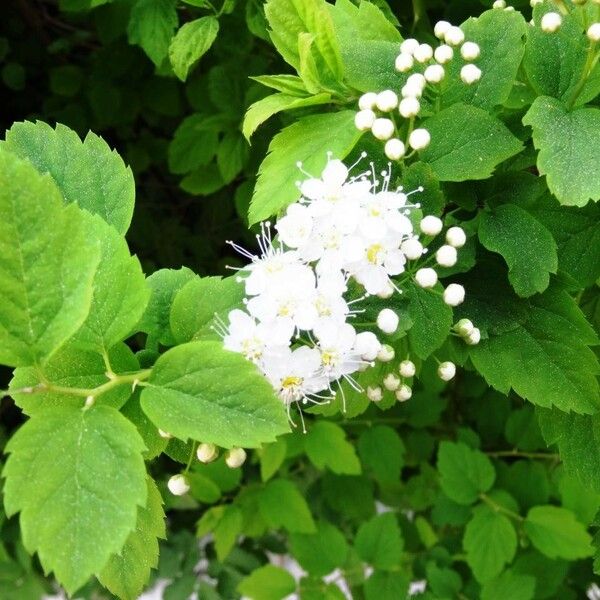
(191,42)
(268,583)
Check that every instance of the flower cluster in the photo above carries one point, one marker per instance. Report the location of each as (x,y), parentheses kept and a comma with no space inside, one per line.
(426,66)
(551,21)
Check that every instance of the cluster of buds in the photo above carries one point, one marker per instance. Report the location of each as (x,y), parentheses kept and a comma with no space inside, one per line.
(468,332)
(551,21)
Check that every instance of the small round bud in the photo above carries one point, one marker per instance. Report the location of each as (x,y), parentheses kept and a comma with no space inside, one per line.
(409,107)
(386,353)
(412,248)
(443,54)
(534,3)
(434,73)
(454,36)
(431,225)
(374,394)
(447,370)
(426,277)
(417,80)
(499,4)
(407,368)
(423,53)
(388,292)
(593,32)
(404,393)
(419,139)
(411,90)
(404,62)
(391,382)
(464,327)
(383,129)
(394,149)
(235,458)
(387,100)
(364,119)
(367,101)
(207,453)
(387,321)
(454,294)
(440,29)
(367,345)
(470,74)
(164,434)
(446,256)
(551,22)
(474,337)
(455,236)
(409,46)
(178,485)
(470,51)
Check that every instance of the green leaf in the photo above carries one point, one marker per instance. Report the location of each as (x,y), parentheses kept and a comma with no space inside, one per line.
(227,530)
(203,181)
(556,533)
(264,109)
(77,477)
(199,302)
(379,542)
(321,552)
(46,271)
(190,43)
(525,244)
(232,155)
(567,153)
(386,585)
(490,542)
(326,446)
(154,442)
(431,317)
(87,173)
(578,498)
(443,582)
(282,505)
(465,472)
(267,583)
(308,141)
(203,392)
(127,572)
(73,367)
(467,143)
(290,85)
(271,458)
(151,26)
(509,585)
(382,451)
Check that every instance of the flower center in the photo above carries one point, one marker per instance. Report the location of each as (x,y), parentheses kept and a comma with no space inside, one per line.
(329,358)
(373,253)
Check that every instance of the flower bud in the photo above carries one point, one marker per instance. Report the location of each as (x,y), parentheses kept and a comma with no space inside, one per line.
(551,22)
(404,393)
(499,4)
(454,36)
(423,53)
(207,453)
(434,73)
(407,368)
(440,29)
(383,129)
(447,370)
(431,225)
(412,248)
(474,337)
(464,327)
(446,256)
(470,51)
(417,80)
(235,458)
(455,236)
(426,277)
(374,394)
(386,353)
(387,321)
(388,292)
(454,294)
(593,32)
(367,345)
(419,139)
(409,46)
(470,74)
(394,149)
(364,119)
(164,434)
(443,54)
(178,485)
(409,107)
(387,100)
(367,101)
(404,62)
(391,382)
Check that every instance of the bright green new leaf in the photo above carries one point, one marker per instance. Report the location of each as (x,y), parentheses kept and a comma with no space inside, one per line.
(379,542)
(467,143)
(190,43)
(271,458)
(326,446)
(46,271)
(308,141)
(227,530)
(465,473)
(443,582)
(267,583)
(509,585)
(154,442)
(151,25)
(555,532)
(490,542)
(386,585)
(525,244)
(203,392)
(77,477)
(381,450)
(87,173)
(321,552)
(127,572)
(566,141)
(282,505)
(288,84)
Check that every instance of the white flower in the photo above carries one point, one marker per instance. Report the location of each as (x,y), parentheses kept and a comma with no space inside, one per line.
(470,51)
(454,294)
(387,292)
(383,129)
(419,139)
(440,29)
(387,321)
(367,101)
(374,394)
(404,393)
(454,36)
(404,62)
(235,458)
(412,248)
(409,107)
(474,337)
(295,228)
(464,327)
(391,382)
(593,32)
(336,346)
(386,353)
(470,74)
(387,100)
(443,54)
(446,256)
(551,22)
(426,277)
(434,73)
(455,236)
(178,485)
(423,53)
(447,370)
(381,217)
(431,225)
(409,46)
(207,452)
(407,368)
(364,119)
(367,345)
(394,149)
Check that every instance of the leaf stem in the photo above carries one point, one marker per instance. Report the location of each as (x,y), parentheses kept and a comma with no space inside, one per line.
(592,58)
(500,509)
(517,453)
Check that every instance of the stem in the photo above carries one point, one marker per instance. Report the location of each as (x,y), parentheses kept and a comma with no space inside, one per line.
(500,509)
(590,63)
(516,453)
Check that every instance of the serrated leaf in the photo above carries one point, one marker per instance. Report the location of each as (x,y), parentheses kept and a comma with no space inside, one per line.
(326,446)
(382,451)
(154,442)
(509,585)
(151,25)
(567,153)
(46,271)
(267,583)
(77,477)
(321,552)
(190,43)
(308,141)
(127,572)
(203,392)
(386,585)
(465,473)
(288,84)
(282,505)
(87,173)
(379,542)
(525,244)
(271,458)
(467,143)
